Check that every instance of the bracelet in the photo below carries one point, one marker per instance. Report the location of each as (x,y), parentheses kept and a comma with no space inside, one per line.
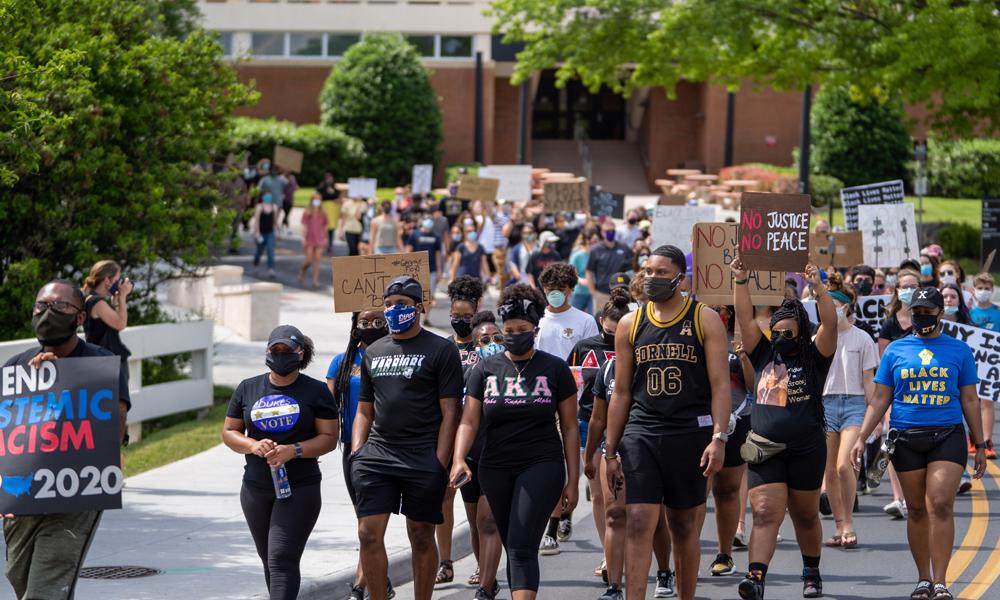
(610,456)
(298,450)
(741,281)
(981,446)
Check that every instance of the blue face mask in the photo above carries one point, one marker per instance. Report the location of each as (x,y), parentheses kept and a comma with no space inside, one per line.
(926,270)
(490,349)
(951,310)
(556,298)
(400,317)
(906,295)
(266,198)
(472,236)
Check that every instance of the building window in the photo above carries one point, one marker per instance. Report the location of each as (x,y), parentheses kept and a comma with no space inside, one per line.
(226,41)
(338,43)
(267,43)
(456,46)
(305,44)
(423,43)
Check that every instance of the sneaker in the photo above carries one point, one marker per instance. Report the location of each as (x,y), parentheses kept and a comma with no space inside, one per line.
(271,274)
(549,547)
(357,593)
(483,594)
(723,565)
(972,448)
(824,505)
(751,588)
(966,483)
(474,578)
(740,540)
(990,452)
(446,573)
(895,509)
(812,583)
(665,584)
(612,593)
(565,530)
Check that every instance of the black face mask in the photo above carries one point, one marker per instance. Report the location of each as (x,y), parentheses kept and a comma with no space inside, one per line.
(924,324)
(462,328)
(519,344)
(660,289)
(609,338)
(283,363)
(53,328)
(864,288)
(370,336)
(785,346)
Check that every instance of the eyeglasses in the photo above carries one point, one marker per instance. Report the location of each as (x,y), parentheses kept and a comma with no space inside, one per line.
(464,319)
(486,339)
(787,334)
(372,324)
(57,305)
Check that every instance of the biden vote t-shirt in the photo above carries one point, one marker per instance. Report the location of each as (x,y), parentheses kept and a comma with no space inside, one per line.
(284,415)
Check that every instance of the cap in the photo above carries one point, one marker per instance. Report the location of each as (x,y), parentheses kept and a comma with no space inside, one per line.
(288,335)
(547,237)
(405,285)
(927,297)
(619,280)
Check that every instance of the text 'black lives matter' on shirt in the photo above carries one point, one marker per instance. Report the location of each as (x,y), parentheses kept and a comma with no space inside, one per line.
(285,415)
(519,410)
(406,379)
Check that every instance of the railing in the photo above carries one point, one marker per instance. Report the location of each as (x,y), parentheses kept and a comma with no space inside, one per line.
(149,341)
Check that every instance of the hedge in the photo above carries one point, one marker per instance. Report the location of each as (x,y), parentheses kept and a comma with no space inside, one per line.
(968,168)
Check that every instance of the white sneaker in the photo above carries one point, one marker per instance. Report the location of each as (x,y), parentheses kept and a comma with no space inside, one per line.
(740,539)
(665,583)
(895,509)
(549,547)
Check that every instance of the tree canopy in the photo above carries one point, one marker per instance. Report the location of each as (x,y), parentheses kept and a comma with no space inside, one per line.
(940,53)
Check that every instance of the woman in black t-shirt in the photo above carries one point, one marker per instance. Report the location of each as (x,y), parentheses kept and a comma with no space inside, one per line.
(515,396)
(282,419)
(788,410)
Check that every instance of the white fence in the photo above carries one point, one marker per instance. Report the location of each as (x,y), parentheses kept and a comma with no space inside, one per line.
(149,341)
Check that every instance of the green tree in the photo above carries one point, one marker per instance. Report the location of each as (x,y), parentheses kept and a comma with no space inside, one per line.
(105,107)
(942,53)
(381,94)
(858,140)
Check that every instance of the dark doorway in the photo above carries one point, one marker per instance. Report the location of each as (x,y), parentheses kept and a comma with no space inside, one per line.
(559,112)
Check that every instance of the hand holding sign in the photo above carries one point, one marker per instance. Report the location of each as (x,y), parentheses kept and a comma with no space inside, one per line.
(738,268)
(774,231)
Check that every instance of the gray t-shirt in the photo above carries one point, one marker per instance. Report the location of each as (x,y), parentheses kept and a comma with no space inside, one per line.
(275,185)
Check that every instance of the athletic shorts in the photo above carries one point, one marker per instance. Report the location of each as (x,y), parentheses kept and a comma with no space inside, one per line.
(665,468)
(915,449)
(799,470)
(471,490)
(347,472)
(843,411)
(736,439)
(391,479)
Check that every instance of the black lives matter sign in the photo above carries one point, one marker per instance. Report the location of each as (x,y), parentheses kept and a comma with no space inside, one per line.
(886,192)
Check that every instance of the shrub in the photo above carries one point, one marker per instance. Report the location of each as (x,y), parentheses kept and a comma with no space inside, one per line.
(963,168)
(380,93)
(960,240)
(825,189)
(858,142)
(451,172)
(770,177)
(324,148)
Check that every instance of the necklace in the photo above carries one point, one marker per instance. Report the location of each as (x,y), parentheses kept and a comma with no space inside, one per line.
(526,363)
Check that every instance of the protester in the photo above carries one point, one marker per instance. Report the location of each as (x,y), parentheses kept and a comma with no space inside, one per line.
(264,225)
(351,216)
(562,326)
(582,298)
(45,552)
(929,269)
(386,232)
(468,259)
(522,250)
(629,232)
(314,222)
(639,259)
(542,258)
(606,259)
(929,449)
(274,183)
(288,197)
(524,468)
(425,240)
(105,309)
(331,208)
(280,527)
(984,313)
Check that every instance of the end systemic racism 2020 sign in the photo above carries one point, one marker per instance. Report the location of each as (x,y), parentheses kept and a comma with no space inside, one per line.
(60,436)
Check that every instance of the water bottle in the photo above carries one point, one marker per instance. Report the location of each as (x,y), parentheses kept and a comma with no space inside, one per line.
(279,476)
(881,461)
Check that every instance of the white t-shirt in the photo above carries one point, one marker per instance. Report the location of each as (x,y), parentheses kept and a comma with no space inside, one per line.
(856,353)
(559,332)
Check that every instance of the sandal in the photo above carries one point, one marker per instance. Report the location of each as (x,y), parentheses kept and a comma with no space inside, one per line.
(941,592)
(922,591)
(446,573)
(834,542)
(849,540)
(474,578)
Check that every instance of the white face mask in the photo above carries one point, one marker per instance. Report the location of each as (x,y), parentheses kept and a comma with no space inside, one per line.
(316,203)
(946,279)
(984,295)
(841,314)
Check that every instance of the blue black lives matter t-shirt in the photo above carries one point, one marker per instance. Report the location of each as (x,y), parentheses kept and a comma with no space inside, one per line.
(284,415)
(406,379)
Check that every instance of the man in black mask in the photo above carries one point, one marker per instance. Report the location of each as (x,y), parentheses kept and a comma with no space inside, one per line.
(45,552)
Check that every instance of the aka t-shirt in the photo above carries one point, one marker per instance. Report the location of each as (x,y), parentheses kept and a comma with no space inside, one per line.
(284,415)
(590,354)
(519,408)
(788,407)
(350,408)
(987,318)
(925,375)
(406,379)
(558,333)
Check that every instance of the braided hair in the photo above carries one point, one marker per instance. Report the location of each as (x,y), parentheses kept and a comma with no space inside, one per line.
(791,308)
(342,387)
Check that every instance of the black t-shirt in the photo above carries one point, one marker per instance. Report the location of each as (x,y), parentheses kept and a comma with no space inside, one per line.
(284,415)
(539,260)
(590,354)
(737,384)
(519,408)
(406,380)
(328,192)
(604,383)
(605,262)
(101,334)
(82,350)
(892,331)
(467,354)
(452,207)
(788,405)
(567,238)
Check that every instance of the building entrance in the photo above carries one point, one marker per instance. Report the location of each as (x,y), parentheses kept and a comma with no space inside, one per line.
(569,112)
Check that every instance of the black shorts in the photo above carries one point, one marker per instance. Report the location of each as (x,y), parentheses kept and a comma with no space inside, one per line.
(390,479)
(915,449)
(665,468)
(798,469)
(346,460)
(736,439)
(471,490)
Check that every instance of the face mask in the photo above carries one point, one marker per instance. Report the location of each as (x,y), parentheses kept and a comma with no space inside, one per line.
(983,295)
(905,295)
(316,203)
(890,280)
(452,190)
(951,310)
(864,288)
(519,344)
(468,222)
(609,338)
(841,314)
(428,224)
(924,324)
(660,289)
(926,270)
(530,237)
(370,336)
(785,346)
(457,237)
(472,236)
(556,298)
(462,329)
(946,279)
(283,363)
(490,349)
(265,166)
(633,221)
(266,199)
(400,317)
(642,259)
(53,328)
(609,235)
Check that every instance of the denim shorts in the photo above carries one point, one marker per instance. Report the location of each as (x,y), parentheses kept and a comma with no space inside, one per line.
(843,411)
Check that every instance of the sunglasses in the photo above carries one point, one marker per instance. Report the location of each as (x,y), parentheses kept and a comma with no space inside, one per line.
(372,324)
(787,334)
(947,273)
(486,339)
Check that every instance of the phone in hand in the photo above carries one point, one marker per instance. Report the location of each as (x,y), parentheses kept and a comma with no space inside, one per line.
(114,287)
(464,479)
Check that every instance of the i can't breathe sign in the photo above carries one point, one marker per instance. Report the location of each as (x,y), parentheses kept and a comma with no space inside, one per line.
(774,231)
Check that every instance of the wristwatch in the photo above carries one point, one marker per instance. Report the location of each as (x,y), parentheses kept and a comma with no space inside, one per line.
(298,450)
(721,435)
(981,446)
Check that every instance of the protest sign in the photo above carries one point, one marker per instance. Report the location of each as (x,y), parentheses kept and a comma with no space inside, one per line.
(570,195)
(606,204)
(841,250)
(985,346)
(483,189)
(420,182)
(287,158)
(672,200)
(515,180)
(674,224)
(774,231)
(886,192)
(870,310)
(360,187)
(991,231)
(60,437)
(890,234)
(714,249)
(359,281)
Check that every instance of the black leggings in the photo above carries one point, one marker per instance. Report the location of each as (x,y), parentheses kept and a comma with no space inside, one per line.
(522,500)
(352,243)
(280,530)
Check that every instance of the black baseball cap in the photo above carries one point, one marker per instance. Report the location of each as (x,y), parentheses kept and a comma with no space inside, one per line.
(927,297)
(619,280)
(404,285)
(288,335)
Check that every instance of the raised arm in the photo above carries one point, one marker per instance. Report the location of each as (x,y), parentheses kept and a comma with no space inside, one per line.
(750,332)
(826,335)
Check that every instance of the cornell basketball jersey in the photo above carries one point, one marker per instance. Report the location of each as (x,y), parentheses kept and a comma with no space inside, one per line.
(670,387)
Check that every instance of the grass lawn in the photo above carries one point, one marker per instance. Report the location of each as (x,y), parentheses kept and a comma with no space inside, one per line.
(958,210)
(302,195)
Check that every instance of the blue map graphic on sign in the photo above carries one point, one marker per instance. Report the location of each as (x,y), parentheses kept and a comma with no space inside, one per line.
(17,486)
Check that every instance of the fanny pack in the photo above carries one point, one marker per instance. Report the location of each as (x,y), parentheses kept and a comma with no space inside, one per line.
(925,439)
(758,449)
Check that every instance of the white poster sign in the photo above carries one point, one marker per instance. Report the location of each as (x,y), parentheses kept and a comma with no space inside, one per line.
(886,192)
(359,187)
(421,181)
(985,345)
(515,180)
(889,232)
(674,224)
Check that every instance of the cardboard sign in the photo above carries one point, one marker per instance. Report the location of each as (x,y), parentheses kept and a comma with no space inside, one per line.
(674,224)
(774,231)
(60,436)
(714,249)
(287,158)
(483,189)
(421,180)
(360,187)
(606,204)
(359,281)
(572,195)
(672,200)
(886,192)
(515,180)
(890,234)
(841,250)
(871,311)
(985,346)
(991,232)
